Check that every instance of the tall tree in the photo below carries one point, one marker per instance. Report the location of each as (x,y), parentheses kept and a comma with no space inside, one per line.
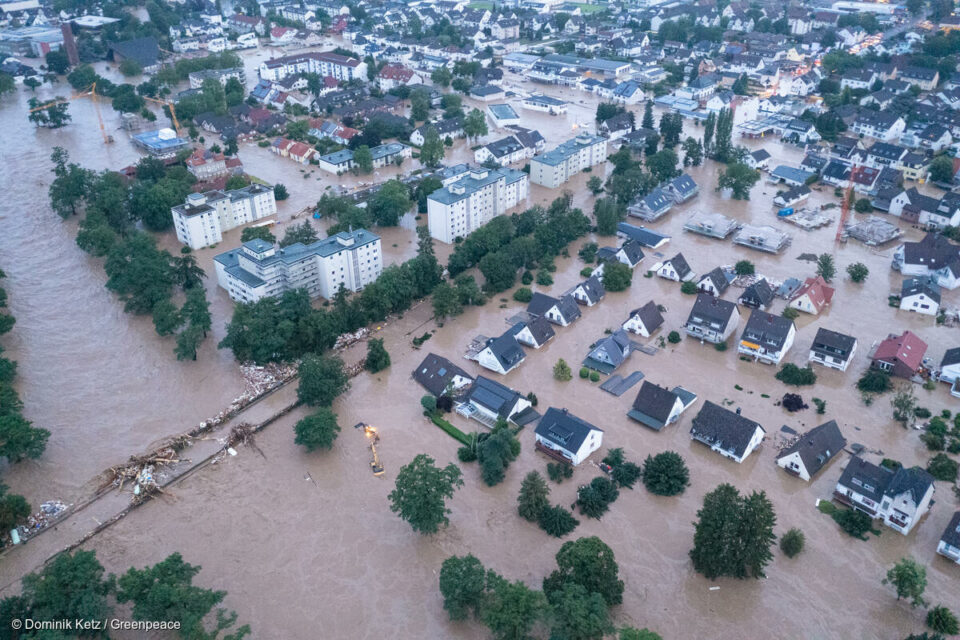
(322,380)
(511,609)
(71,586)
(534,496)
(363,159)
(462,584)
(709,126)
(909,578)
(590,563)
(421,492)
(51,114)
(377,357)
(733,534)
(317,430)
(303,233)
(432,150)
(739,178)
(647,122)
(579,614)
(475,124)
(390,203)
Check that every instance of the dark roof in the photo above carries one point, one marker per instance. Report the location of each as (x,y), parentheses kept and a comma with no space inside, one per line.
(564,429)
(767,329)
(540,303)
(568,308)
(436,372)
(719,426)
(926,286)
(866,478)
(934,251)
(951,535)
(632,250)
(759,293)
(145,51)
(915,481)
(650,316)
(593,288)
(494,396)
(539,327)
(680,265)
(817,446)
(833,341)
(952,356)
(654,402)
(708,308)
(718,278)
(506,350)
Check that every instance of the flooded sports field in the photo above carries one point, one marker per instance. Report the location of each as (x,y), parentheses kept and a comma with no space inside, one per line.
(306,545)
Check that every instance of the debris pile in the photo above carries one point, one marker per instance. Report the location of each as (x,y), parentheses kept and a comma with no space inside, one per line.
(142,471)
(49,513)
(260,379)
(347,339)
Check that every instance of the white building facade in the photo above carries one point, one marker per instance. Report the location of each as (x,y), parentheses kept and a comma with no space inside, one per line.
(202,219)
(555,167)
(463,206)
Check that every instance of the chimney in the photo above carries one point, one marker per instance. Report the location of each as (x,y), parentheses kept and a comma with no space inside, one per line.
(738,410)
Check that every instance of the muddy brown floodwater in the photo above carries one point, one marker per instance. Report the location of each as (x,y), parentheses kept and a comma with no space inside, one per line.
(305,543)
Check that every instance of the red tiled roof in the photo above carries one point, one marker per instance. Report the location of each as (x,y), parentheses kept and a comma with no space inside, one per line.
(819,292)
(906,348)
(396,72)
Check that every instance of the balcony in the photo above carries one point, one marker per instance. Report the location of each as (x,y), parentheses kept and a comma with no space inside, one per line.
(553,453)
(844,499)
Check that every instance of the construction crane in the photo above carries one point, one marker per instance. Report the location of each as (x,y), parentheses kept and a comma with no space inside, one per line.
(90,91)
(173,113)
(845,205)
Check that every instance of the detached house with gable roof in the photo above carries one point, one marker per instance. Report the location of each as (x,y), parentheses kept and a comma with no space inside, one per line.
(949,545)
(487,401)
(832,349)
(561,311)
(726,432)
(656,407)
(813,297)
(712,319)
(934,256)
(900,356)
(565,437)
(676,269)
(644,320)
(898,498)
(503,354)
(812,451)
(767,337)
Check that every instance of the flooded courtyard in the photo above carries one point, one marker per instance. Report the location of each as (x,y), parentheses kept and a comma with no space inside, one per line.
(306,542)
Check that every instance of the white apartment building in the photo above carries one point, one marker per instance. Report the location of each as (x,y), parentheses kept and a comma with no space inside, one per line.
(555,167)
(201,220)
(323,63)
(470,202)
(258,269)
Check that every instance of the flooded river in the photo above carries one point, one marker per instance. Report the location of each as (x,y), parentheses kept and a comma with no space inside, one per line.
(306,541)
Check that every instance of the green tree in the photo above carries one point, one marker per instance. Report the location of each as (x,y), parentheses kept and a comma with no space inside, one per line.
(317,430)
(941,169)
(7,83)
(19,439)
(421,492)
(616,276)
(389,204)
(647,122)
(534,496)
(14,509)
(744,268)
(629,633)
(739,178)
(280,192)
(942,620)
(188,341)
(904,402)
(733,534)
(165,591)
(608,213)
(499,273)
(874,381)
(663,165)
(363,159)
(71,586)
(446,301)
(607,110)
(825,267)
(557,521)
(187,274)
(595,184)
(51,114)
(579,614)
(858,272)
(665,474)
(322,379)
(942,467)
(909,578)
(590,563)
(441,76)
(561,371)
(57,61)
(377,357)
(236,182)
(475,124)
(791,543)
(511,609)
(130,67)
(419,105)
(692,152)
(432,150)
(462,585)
(303,233)
(196,310)
(166,318)
(257,233)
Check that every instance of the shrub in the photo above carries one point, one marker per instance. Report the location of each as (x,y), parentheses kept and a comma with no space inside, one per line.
(854,523)
(874,381)
(523,294)
(627,474)
(942,620)
(586,272)
(891,464)
(595,498)
(673,337)
(429,403)
(526,278)
(594,376)
(665,474)
(557,521)
(942,467)
(561,371)
(720,346)
(821,405)
(790,313)
(793,402)
(688,288)
(558,472)
(544,279)
(744,268)
(318,430)
(467,453)
(791,543)
(922,412)
(934,442)
(584,373)
(796,376)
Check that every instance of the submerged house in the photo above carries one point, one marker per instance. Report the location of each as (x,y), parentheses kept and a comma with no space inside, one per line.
(676,269)
(726,432)
(681,188)
(609,352)
(565,437)
(832,349)
(487,401)
(812,451)
(712,319)
(652,206)
(656,407)
(900,356)
(898,498)
(502,355)
(439,376)
(630,253)
(535,333)
(758,295)
(949,545)
(767,337)
(715,282)
(644,320)
(590,291)
(813,297)
(561,311)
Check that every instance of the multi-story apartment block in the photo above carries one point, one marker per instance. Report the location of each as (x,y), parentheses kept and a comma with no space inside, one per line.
(258,269)
(555,167)
(323,63)
(201,220)
(470,202)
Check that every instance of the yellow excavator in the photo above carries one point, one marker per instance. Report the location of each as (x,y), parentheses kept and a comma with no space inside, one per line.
(374,437)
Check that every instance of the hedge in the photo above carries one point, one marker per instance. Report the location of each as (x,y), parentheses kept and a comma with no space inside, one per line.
(451,430)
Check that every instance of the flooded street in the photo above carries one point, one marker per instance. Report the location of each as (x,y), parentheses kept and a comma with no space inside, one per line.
(307,541)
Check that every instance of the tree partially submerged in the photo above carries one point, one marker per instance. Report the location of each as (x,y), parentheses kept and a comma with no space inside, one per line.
(421,492)
(733,534)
